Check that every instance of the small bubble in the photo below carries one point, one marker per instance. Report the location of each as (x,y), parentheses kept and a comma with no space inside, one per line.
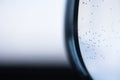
(97,5)
(99,35)
(106,45)
(117,32)
(94,57)
(93,49)
(87,57)
(79,37)
(98,40)
(95,53)
(89,32)
(118,20)
(84,3)
(103,39)
(112,30)
(86,41)
(110,45)
(91,44)
(102,56)
(98,45)
(90,40)
(82,18)
(119,37)
(110,8)
(91,13)
(87,44)
(90,21)
(117,52)
(90,57)
(103,30)
(94,42)
(89,0)
(93,5)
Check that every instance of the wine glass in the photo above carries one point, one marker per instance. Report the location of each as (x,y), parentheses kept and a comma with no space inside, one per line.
(93,38)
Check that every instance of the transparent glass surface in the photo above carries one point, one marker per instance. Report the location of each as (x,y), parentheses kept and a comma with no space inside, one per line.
(99,37)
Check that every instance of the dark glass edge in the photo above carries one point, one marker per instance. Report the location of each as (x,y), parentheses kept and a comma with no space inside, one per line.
(71,39)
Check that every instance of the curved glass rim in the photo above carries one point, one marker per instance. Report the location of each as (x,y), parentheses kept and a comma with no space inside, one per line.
(71,39)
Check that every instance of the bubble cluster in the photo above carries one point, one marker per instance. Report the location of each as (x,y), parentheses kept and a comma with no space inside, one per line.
(84,3)
(99,34)
(92,43)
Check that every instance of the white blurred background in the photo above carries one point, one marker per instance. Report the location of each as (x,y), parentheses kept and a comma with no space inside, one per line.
(32,32)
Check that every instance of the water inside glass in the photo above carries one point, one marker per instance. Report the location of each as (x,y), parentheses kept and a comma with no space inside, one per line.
(99,37)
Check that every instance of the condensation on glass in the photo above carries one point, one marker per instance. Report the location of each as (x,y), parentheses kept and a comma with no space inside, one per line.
(99,37)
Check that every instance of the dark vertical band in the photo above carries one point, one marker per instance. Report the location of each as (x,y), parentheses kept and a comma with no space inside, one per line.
(71,38)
